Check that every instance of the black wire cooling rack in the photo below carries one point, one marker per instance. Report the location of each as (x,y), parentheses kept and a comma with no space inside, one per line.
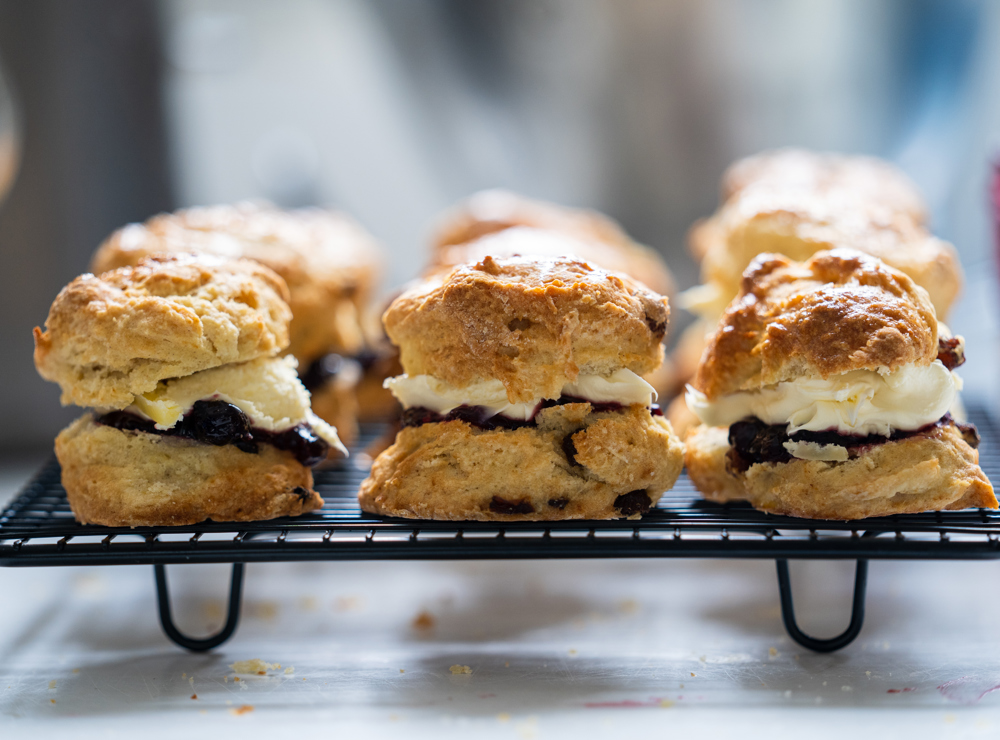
(38,529)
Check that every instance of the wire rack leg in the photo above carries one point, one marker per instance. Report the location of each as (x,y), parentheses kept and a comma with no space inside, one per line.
(204,643)
(833,643)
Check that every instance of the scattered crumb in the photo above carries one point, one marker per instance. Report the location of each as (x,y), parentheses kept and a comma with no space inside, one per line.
(692,675)
(254,666)
(266,610)
(225,679)
(348,603)
(682,686)
(460,669)
(242,709)
(423,621)
(237,678)
(701,658)
(503,717)
(194,697)
(290,670)
(76,670)
(772,652)
(572,651)
(184,675)
(402,670)
(53,701)
(666,703)
(628,606)
(868,673)
(52,684)
(507,664)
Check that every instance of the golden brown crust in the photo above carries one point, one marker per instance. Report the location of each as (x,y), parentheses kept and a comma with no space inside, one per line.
(868,179)
(533,324)
(110,337)
(133,479)
(840,311)
(328,260)
(799,222)
(933,471)
(604,242)
(455,471)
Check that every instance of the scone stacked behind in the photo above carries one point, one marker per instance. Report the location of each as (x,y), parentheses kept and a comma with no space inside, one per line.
(329,262)
(796,203)
(825,392)
(523,397)
(193,415)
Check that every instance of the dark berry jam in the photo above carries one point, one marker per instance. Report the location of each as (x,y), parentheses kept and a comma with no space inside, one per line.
(477,415)
(752,441)
(220,423)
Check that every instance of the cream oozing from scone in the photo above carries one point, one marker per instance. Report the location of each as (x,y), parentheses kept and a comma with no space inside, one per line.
(859,403)
(425,391)
(267,390)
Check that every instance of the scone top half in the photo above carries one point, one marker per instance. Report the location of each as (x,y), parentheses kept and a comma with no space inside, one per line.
(151,345)
(506,333)
(329,262)
(840,344)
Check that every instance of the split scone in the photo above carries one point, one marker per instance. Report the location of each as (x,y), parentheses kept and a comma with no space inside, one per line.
(329,262)
(523,398)
(193,415)
(824,393)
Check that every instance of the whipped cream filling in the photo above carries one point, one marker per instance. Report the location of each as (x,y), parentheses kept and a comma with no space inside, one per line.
(860,402)
(622,386)
(267,390)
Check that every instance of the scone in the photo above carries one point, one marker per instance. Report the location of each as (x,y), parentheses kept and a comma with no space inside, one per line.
(798,203)
(523,396)
(597,238)
(329,262)
(194,416)
(824,393)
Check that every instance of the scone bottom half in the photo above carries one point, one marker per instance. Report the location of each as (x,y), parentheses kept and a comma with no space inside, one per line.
(546,417)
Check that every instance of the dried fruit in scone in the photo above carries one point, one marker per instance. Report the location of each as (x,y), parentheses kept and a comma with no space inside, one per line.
(523,398)
(825,393)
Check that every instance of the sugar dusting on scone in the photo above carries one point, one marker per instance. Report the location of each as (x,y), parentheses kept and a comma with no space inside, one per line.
(825,393)
(194,416)
(523,396)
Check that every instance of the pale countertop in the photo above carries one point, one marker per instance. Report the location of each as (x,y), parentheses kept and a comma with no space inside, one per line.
(575,649)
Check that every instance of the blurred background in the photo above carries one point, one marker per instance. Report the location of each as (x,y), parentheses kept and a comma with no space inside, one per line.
(113,110)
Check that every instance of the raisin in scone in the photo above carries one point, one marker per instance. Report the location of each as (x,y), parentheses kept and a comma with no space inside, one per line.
(824,393)
(193,415)
(523,397)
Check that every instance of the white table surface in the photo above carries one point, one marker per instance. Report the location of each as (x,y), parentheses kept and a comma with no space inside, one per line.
(556,649)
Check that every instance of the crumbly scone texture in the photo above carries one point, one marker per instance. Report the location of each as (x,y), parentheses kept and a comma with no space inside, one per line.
(329,261)
(933,471)
(111,337)
(798,222)
(617,465)
(133,479)
(839,311)
(533,323)
(492,211)
(868,179)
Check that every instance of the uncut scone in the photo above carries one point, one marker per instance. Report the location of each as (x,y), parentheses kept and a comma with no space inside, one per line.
(824,393)
(522,396)
(329,262)
(193,415)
